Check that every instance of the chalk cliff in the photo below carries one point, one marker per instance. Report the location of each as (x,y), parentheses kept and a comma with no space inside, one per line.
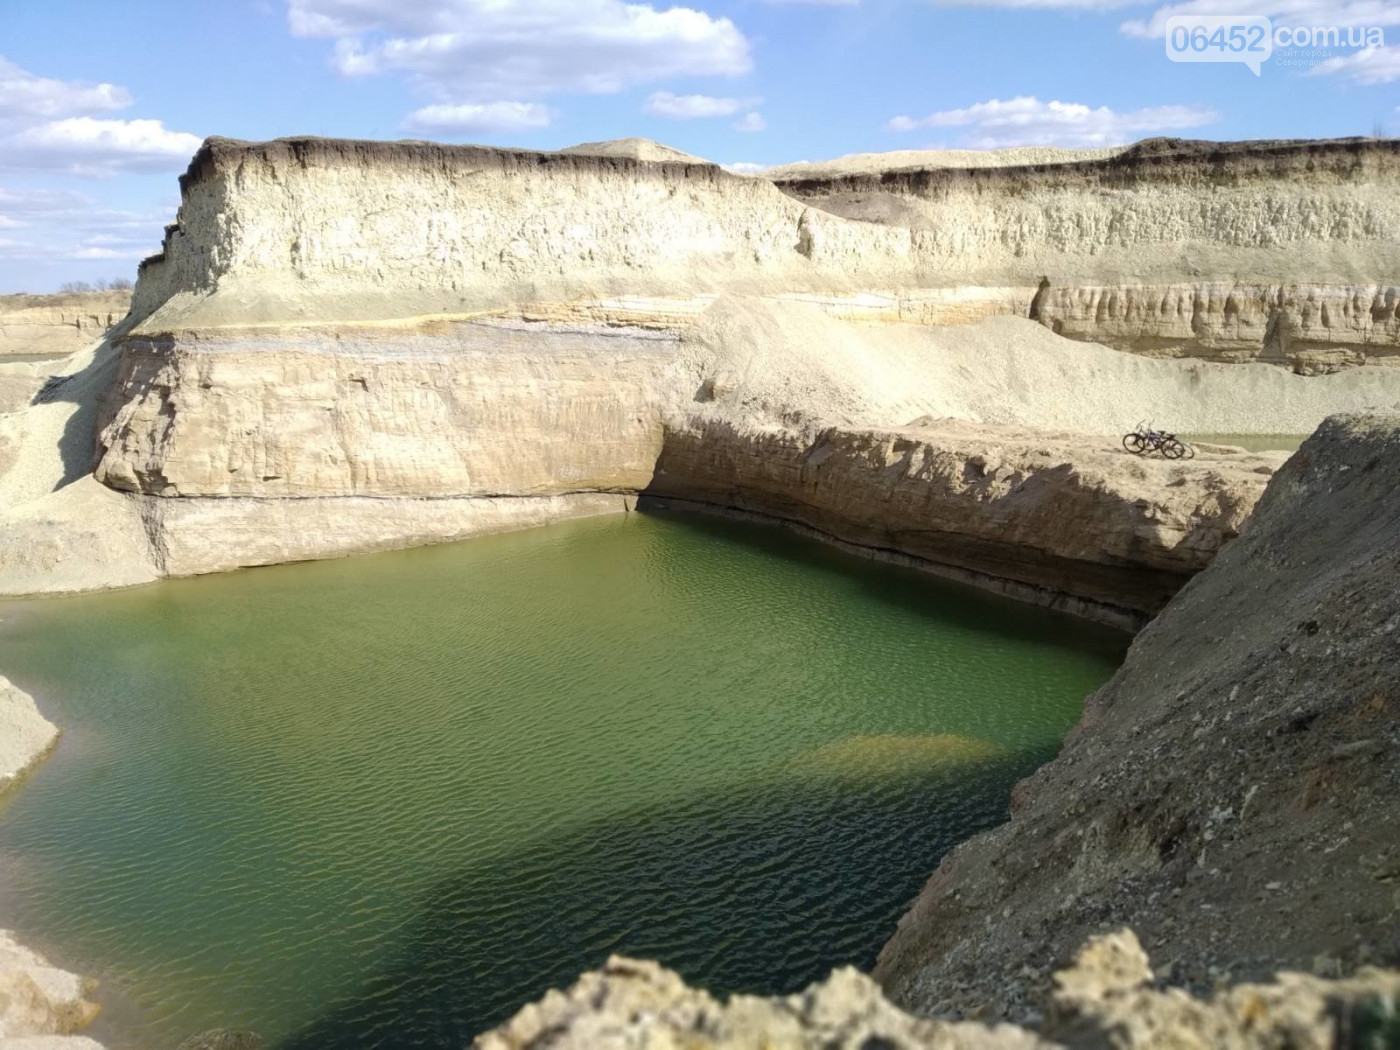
(349,346)
(1276,251)
(358,345)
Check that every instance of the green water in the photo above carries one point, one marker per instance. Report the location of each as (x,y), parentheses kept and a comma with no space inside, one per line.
(385,801)
(1252,442)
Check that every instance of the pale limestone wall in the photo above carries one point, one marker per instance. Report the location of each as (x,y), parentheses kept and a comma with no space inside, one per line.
(464,410)
(1307,327)
(344,231)
(1305,211)
(331,230)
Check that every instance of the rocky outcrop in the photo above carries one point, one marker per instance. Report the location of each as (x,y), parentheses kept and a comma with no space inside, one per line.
(1050,517)
(1231,792)
(193,536)
(41,1006)
(1107,998)
(1311,329)
(25,734)
(58,324)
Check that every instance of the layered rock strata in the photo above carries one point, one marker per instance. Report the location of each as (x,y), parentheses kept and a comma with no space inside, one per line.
(374,230)
(58,324)
(1311,329)
(467,409)
(1275,251)
(1231,792)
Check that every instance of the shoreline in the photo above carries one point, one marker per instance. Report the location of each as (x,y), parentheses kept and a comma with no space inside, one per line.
(37,1000)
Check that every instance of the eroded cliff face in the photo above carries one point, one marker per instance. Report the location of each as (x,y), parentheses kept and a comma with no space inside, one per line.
(470,409)
(1311,329)
(58,324)
(456,331)
(1294,240)
(1276,251)
(1231,792)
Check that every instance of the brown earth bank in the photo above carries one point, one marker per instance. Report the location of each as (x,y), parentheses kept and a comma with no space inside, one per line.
(1231,793)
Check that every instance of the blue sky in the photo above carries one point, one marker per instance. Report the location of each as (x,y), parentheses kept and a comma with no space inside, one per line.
(103,101)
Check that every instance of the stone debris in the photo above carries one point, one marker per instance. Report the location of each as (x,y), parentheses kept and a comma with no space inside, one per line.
(25,734)
(1108,999)
(41,1007)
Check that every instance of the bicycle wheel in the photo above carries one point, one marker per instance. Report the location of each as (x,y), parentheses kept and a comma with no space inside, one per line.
(1173,449)
(1133,443)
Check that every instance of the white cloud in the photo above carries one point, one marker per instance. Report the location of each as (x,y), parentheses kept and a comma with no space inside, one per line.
(751,122)
(1370,65)
(480,116)
(24,96)
(108,253)
(1027,121)
(1282,12)
(57,247)
(692,107)
(55,126)
(814,3)
(744,167)
(98,148)
(482,50)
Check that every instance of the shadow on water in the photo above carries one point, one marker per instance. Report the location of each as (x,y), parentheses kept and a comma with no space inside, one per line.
(943,602)
(824,868)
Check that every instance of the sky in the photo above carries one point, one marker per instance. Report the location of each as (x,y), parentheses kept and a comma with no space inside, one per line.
(102,102)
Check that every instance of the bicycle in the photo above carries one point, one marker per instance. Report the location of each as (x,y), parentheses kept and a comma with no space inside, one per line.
(1143,440)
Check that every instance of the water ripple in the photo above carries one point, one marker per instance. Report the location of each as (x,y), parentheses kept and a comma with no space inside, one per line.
(383,802)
